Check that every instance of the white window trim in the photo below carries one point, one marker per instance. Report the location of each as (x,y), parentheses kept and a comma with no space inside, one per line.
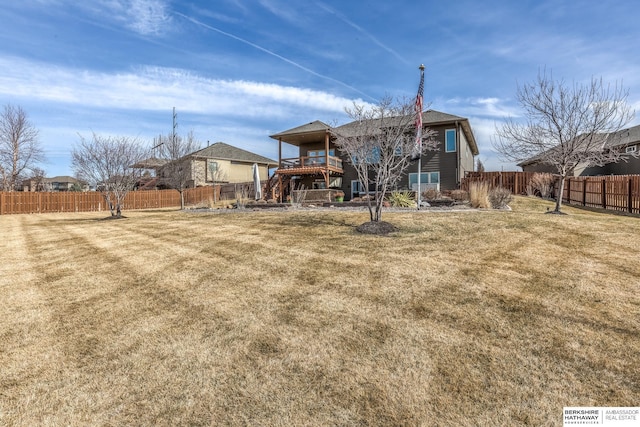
(360,188)
(424,185)
(455,142)
(631,149)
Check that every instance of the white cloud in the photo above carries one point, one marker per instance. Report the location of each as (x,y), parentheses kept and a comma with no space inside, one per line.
(484,130)
(148,17)
(145,17)
(284,11)
(483,107)
(154,89)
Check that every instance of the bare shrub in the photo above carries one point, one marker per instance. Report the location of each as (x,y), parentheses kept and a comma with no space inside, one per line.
(431,194)
(479,195)
(242,195)
(530,189)
(500,197)
(298,195)
(459,195)
(542,183)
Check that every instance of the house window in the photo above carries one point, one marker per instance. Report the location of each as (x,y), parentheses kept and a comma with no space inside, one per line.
(319,184)
(450,140)
(212,170)
(335,182)
(427,180)
(631,149)
(356,188)
(317,157)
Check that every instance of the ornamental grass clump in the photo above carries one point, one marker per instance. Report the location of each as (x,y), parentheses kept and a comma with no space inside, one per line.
(479,195)
(543,184)
(500,197)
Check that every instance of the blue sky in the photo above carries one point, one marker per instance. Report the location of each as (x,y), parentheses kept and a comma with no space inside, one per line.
(240,70)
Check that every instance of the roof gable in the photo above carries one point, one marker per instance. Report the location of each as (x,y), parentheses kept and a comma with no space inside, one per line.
(315,126)
(222,151)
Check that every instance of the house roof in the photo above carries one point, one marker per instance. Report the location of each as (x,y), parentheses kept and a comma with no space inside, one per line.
(60,179)
(150,163)
(222,151)
(309,132)
(622,138)
(433,118)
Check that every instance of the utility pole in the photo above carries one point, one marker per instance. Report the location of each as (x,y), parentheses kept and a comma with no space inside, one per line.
(175,126)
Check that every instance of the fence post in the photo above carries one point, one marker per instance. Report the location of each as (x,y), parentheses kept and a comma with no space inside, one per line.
(568,190)
(604,194)
(630,195)
(584,192)
(1,202)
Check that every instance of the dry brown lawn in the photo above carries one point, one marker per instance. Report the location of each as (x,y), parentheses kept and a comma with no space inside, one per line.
(472,318)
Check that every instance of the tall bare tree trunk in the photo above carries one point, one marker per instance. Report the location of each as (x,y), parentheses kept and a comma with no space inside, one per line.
(560,193)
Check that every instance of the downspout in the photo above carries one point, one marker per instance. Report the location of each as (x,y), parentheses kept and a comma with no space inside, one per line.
(280,189)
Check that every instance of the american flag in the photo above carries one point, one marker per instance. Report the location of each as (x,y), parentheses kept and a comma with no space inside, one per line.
(418,108)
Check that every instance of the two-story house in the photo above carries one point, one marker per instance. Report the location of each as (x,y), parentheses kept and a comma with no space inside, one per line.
(321,165)
(626,141)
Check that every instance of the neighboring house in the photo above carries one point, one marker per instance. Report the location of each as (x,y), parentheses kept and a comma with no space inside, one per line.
(57,183)
(321,165)
(626,140)
(222,163)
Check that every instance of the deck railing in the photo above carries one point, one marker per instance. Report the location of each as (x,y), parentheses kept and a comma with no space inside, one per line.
(311,161)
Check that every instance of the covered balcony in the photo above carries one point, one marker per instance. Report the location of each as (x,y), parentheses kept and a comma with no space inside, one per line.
(316,163)
(310,165)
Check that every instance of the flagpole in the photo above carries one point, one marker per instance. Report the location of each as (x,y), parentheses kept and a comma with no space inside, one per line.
(419,132)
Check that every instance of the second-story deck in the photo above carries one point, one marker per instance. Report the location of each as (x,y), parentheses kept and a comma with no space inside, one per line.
(310,165)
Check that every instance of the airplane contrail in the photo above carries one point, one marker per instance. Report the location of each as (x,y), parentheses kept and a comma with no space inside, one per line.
(269,52)
(357,27)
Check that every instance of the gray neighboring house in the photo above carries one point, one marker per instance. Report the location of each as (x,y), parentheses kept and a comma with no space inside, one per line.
(321,165)
(626,140)
(57,183)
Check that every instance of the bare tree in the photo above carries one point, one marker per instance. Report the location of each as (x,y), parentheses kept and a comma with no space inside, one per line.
(38,180)
(105,161)
(565,125)
(380,143)
(20,150)
(177,172)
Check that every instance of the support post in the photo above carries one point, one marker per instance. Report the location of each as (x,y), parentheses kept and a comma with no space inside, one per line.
(326,159)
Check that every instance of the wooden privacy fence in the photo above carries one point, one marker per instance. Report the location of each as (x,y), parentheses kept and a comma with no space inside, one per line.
(614,192)
(516,182)
(92,201)
(45,202)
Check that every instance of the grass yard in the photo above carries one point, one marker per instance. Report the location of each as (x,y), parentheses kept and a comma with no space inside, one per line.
(292,318)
